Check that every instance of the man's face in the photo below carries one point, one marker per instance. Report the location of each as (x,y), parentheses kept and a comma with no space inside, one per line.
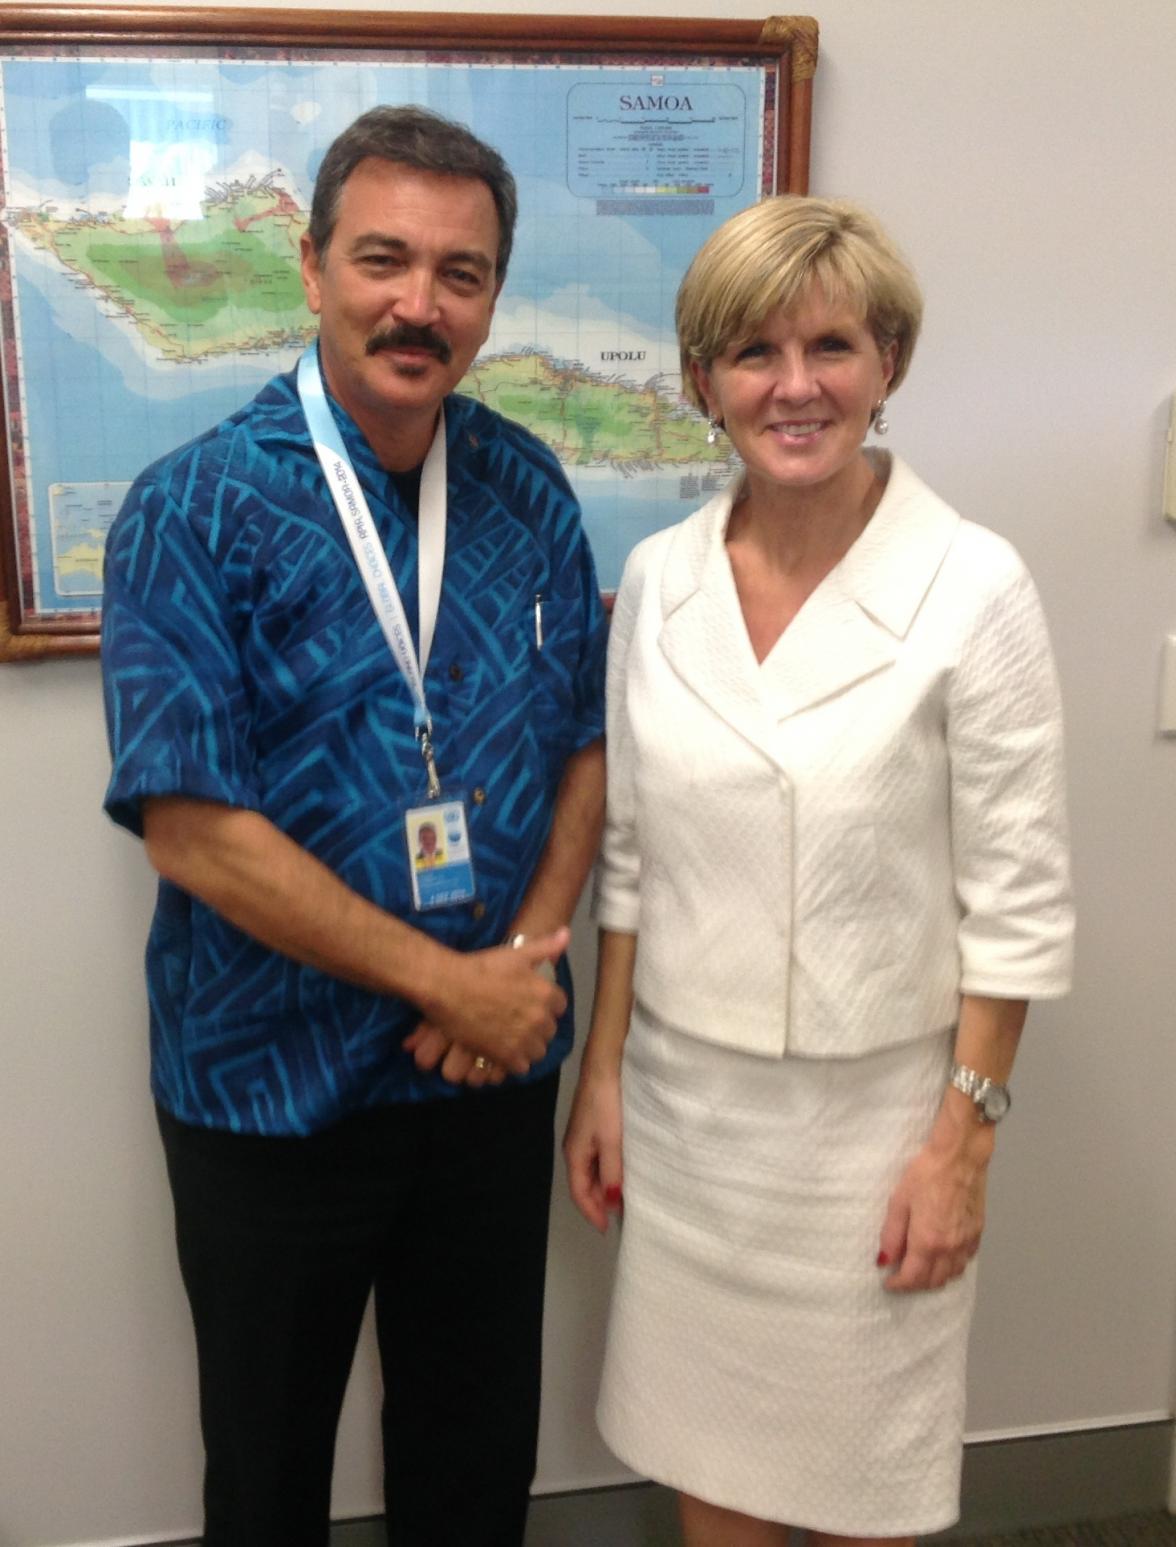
(404,293)
(428,840)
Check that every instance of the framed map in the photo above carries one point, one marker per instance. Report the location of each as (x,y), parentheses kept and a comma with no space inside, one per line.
(156,169)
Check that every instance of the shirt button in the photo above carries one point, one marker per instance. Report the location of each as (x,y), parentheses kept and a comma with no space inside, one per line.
(479,910)
(479,796)
(455,673)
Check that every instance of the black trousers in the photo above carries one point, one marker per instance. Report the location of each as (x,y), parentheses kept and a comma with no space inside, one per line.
(442,1208)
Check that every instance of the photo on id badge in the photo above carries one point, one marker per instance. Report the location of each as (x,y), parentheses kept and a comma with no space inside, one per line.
(440,866)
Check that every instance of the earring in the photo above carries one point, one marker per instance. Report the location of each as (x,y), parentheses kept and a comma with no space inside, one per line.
(712,431)
(881,423)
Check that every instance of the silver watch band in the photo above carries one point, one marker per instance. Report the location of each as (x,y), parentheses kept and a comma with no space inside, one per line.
(992,1101)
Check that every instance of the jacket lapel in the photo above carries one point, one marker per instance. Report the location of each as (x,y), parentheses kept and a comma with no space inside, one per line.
(830,644)
(703,637)
(850,628)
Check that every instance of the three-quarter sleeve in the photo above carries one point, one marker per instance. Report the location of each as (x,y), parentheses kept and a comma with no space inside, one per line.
(177,712)
(1008,809)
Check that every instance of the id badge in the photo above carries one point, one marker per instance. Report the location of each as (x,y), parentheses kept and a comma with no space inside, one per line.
(440,865)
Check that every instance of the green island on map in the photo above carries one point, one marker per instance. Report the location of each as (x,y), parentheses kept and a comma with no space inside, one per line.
(229,283)
(225,284)
(587,419)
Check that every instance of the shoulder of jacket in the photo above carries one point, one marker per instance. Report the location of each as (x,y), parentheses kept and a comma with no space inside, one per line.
(973,549)
(677,551)
(988,557)
(646,558)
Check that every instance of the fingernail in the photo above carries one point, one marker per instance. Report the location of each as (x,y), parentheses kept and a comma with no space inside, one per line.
(612,1196)
(883,1259)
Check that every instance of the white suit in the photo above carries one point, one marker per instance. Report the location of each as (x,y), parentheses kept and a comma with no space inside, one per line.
(819,853)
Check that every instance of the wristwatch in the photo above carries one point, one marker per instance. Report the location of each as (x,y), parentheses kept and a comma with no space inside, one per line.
(992,1100)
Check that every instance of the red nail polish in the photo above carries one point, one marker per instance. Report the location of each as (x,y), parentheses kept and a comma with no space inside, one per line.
(883,1259)
(612,1196)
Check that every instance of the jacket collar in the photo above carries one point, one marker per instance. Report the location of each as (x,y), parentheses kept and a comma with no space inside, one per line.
(849,628)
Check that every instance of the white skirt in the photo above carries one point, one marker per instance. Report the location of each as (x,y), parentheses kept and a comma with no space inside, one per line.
(753,1358)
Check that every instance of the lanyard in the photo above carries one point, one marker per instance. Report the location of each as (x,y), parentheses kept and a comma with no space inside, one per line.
(374,570)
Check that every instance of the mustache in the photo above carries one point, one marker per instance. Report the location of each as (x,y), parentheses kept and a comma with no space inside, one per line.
(406,336)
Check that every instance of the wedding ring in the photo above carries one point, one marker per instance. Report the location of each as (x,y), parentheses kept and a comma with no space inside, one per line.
(481,1064)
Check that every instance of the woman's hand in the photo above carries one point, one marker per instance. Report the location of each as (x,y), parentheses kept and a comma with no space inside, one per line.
(936,1214)
(592,1146)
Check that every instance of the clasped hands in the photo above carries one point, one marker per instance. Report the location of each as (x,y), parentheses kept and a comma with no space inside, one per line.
(493,1014)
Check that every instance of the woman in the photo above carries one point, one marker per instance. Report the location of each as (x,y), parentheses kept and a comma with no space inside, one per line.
(833,874)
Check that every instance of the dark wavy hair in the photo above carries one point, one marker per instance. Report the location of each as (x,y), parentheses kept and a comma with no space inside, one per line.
(413,137)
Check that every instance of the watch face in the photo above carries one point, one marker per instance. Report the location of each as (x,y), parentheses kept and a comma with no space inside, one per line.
(997,1101)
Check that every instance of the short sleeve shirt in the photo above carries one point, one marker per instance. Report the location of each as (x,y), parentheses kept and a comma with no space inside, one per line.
(243,664)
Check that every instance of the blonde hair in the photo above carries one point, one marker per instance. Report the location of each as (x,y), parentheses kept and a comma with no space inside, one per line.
(767,256)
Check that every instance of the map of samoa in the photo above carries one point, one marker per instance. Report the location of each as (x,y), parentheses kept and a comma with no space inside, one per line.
(154,210)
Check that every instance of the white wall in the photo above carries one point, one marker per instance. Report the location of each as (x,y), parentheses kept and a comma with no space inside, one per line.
(1024,156)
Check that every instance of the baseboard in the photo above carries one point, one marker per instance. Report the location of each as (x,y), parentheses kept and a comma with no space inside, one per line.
(1009,1485)
(1089,1474)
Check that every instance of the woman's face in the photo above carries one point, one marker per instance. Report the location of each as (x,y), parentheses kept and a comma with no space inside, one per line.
(796,398)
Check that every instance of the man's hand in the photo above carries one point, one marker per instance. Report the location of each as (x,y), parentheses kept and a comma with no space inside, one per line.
(430,1047)
(493,1004)
(450,1034)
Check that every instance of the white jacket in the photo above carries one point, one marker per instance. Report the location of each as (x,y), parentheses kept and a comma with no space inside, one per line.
(820,853)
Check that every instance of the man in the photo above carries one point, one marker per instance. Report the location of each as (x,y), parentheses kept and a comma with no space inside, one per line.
(429,853)
(277,747)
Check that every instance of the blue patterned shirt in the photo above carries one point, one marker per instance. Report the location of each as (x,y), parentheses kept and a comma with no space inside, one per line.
(243,664)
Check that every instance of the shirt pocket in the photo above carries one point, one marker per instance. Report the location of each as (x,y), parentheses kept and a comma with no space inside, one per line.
(484,698)
(552,679)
